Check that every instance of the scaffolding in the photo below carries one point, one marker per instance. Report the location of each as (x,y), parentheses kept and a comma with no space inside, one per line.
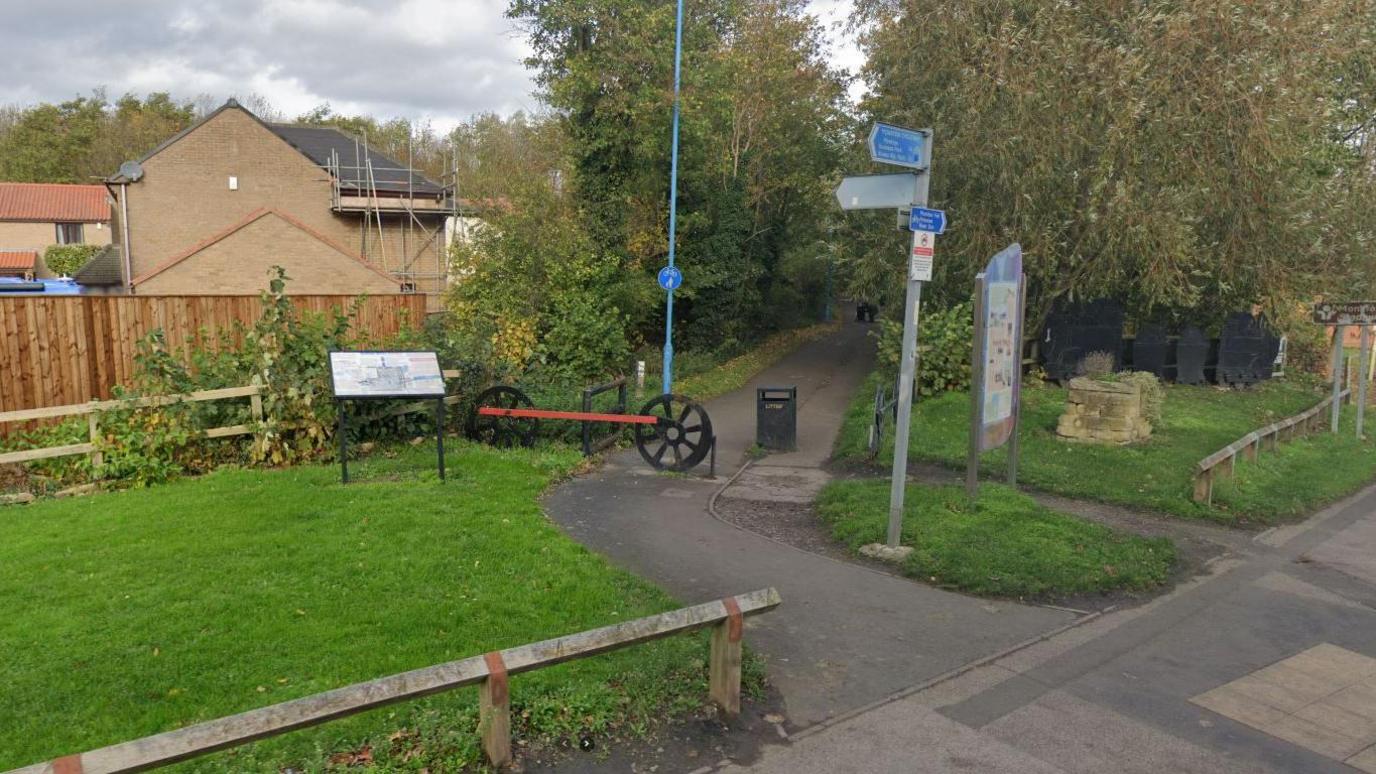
(395,213)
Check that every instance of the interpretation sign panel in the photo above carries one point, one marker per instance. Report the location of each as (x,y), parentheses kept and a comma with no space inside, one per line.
(386,375)
(1002,353)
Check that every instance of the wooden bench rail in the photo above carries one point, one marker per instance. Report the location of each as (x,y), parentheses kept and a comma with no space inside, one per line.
(489,670)
(1213,466)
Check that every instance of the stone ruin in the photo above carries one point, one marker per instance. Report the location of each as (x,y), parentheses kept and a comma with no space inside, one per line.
(1103,412)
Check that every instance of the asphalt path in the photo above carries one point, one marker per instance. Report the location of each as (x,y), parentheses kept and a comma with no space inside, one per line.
(845,636)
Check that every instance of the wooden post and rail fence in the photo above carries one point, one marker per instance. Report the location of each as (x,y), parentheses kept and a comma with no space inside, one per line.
(64,350)
(1223,463)
(490,672)
(94,409)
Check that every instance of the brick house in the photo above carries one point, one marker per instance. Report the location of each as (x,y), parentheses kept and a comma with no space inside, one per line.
(211,209)
(35,216)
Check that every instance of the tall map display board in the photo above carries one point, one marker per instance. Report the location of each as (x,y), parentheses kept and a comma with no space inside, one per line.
(996,361)
(383,376)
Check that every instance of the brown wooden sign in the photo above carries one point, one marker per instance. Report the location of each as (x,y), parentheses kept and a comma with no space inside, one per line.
(1345,313)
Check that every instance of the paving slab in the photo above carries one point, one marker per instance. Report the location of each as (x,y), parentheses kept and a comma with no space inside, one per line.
(903,736)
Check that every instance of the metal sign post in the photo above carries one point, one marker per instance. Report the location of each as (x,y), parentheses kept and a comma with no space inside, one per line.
(673,212)
(912,306)
(1363,371)
(1340,314)
(1336,407)
(911,148)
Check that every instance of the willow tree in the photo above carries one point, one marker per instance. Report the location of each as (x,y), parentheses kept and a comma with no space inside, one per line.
(1192,156)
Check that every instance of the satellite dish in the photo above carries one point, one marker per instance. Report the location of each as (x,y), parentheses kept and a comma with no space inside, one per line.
(131,171)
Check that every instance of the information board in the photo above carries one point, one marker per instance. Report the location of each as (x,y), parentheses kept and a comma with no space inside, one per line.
(1001,350)
(386,375)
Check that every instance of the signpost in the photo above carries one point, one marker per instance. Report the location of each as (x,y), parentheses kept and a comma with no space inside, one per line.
(900,146)
(878,192)
(380,376)
(996,363)
(1340,314)
(923,219)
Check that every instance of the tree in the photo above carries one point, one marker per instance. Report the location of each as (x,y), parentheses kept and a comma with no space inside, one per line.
(762,122)
(1186,157)
(86,138)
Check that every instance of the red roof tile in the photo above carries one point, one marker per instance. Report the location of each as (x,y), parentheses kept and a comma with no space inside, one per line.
(54,202)
(22,260)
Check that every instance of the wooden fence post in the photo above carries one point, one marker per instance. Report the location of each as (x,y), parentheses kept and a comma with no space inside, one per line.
(256,408)
(93,432)
(724,670)
(1204,487)
(494,711)
(1249,452)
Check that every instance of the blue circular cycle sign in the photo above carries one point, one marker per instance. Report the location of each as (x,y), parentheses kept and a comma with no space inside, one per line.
(670,278)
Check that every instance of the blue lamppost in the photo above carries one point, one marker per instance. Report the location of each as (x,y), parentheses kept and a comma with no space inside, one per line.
(670,278)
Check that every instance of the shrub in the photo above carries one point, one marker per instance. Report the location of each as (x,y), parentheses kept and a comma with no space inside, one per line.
(1153,394)
(1095,365)
(64,260)
(943,349)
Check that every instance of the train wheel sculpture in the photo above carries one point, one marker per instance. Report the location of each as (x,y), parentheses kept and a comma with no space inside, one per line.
(502,429)
(671,432)
(681,436)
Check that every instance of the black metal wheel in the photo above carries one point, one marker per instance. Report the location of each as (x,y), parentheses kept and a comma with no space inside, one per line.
(680,439)
(502,431)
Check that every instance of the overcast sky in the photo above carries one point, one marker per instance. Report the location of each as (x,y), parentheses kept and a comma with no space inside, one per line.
(441,60)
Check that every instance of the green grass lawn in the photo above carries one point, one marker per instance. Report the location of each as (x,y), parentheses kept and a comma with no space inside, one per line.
(137,612)
(1004,544)
(1157,473)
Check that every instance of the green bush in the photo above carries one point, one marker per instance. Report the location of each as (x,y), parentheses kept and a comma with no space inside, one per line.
(943,349)
(64,260)
(1153,393)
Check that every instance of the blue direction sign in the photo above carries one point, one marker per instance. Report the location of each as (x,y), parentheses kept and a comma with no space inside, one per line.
(897,145)
(923,219)
(670,278)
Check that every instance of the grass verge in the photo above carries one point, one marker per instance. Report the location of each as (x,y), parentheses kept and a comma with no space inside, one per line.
(1155,474)
(1004,544)
(142,611)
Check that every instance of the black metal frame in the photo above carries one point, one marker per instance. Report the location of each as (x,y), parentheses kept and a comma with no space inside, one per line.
(589,444)
(341,426)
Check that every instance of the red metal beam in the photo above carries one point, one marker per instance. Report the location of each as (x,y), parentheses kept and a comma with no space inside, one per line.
(588,416)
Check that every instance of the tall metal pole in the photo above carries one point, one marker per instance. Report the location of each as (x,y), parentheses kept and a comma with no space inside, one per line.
(673,206)
(907,372)
(1363,371)
(1337,375)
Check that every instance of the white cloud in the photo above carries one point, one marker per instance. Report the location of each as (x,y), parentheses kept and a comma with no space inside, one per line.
(436,60)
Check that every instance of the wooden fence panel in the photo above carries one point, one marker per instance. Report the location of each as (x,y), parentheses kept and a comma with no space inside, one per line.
(59,350)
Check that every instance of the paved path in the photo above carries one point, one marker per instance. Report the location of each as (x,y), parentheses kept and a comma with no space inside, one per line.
(845,636)
(1267,664)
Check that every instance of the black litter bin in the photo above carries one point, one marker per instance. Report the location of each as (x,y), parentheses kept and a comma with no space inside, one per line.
(776,418)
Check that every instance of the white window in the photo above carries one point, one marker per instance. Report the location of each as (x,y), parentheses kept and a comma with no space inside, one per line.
(70,234)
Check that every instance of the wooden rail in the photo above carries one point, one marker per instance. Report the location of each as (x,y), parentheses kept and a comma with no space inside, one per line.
(1222,463)
(94,409)
(489,671)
